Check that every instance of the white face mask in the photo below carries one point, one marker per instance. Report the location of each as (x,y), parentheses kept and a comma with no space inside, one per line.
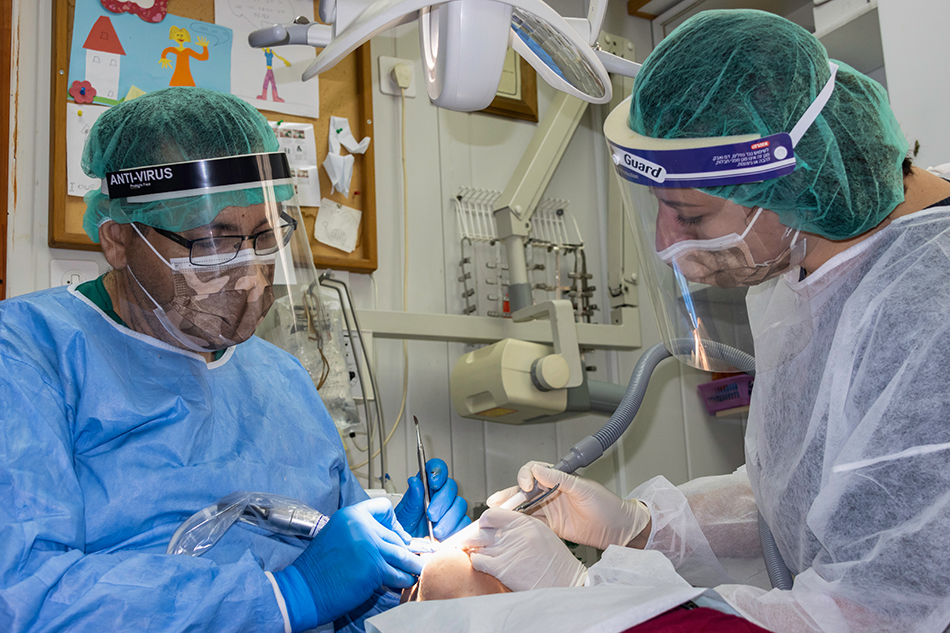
(725,242)
(727,261)
(215,306)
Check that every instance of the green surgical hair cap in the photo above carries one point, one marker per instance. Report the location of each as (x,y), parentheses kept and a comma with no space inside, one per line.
(732,72)
(171,126)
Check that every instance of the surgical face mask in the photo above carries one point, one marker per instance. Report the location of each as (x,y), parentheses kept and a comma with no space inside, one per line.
(727,261)
(214,306)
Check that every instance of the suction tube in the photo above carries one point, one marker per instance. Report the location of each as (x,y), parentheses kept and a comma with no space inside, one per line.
(593,446)
(779,574)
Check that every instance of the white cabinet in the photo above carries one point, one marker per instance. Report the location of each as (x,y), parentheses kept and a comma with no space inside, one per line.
(849,29)
(854,38)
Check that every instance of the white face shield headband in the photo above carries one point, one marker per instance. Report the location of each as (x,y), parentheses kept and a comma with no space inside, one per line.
(707,162)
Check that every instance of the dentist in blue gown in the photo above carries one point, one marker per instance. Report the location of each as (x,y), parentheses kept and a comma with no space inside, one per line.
(134,400)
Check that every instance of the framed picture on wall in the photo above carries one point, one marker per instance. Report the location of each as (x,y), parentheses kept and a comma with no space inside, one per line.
(517,95)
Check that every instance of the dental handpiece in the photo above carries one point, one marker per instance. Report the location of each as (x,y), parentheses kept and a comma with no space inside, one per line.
(274,513)
(293,521)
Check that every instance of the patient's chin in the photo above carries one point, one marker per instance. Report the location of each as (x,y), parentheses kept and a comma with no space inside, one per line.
(449,574)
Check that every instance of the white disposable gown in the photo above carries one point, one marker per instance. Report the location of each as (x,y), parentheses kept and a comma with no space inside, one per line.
(847,447)
(109,439)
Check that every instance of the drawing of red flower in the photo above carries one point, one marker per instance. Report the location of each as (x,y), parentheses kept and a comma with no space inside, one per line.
(82,92)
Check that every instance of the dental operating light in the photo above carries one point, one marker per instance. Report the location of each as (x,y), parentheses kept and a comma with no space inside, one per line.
(464,43)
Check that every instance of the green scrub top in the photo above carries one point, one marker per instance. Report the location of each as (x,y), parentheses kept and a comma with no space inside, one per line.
(95,291)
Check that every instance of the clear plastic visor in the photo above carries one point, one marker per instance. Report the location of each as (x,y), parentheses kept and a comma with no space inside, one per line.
(254,252)
(252,249)
(699,253)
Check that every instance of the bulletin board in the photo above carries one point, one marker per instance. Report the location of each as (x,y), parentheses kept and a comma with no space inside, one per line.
(345,91)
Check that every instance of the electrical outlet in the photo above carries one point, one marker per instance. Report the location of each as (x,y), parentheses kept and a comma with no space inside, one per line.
(386,83)
(63,272)
(348,354)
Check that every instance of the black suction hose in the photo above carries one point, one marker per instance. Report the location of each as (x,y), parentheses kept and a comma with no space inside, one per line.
(593,446)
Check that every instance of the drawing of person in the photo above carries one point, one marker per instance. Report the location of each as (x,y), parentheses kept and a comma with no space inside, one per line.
(182,74)
(269,55)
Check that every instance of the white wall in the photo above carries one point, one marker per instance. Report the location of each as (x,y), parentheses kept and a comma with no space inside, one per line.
(673,436)
(28,251)
(913,34)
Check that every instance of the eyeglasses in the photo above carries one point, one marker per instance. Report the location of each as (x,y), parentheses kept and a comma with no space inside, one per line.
(220,249)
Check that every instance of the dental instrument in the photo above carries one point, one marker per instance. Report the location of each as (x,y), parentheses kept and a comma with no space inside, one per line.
(528,504)
(421,454)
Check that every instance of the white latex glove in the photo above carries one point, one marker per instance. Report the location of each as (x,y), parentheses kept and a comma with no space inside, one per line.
(520,551)
(581,510)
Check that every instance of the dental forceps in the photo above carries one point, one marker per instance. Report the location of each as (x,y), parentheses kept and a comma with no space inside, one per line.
(421,454)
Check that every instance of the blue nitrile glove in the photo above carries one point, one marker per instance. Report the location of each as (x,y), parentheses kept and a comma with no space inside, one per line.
(446,508)
(360,549)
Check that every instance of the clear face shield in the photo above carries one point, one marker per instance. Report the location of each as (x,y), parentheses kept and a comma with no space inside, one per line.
(691,243)
(248,256)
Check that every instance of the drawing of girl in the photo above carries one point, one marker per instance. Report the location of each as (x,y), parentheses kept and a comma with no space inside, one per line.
(182,74)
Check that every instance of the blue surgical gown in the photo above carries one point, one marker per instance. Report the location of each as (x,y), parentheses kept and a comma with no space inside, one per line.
(109,439)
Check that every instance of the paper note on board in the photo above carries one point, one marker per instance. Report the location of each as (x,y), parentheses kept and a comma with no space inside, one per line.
(298,142)
(339,168)
(79,120)
(340,171)
(116,51)
(340,134)
(337,225)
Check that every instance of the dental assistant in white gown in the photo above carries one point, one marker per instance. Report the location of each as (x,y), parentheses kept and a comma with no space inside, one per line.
(846,249)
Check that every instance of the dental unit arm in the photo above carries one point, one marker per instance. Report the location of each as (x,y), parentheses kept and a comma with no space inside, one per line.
(520,382)
(464,43)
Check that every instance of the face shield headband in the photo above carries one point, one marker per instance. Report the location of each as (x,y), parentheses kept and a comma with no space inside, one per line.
(194,178)
(708,162)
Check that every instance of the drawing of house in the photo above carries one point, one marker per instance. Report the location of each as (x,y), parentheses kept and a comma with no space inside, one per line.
(103,54)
